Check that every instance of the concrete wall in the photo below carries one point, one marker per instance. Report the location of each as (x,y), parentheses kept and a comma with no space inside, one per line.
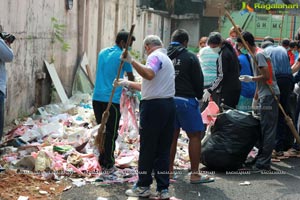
(149,23)
(30,22)
(192,26)
(90,26)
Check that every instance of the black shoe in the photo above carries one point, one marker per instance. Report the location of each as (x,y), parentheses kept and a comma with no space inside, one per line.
(255,170)
(250,161)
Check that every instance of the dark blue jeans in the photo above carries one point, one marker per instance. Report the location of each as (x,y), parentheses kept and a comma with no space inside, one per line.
(157,119)
(284,137)
(2,97)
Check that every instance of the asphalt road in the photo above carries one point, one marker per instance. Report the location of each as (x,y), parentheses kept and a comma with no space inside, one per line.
(283,184)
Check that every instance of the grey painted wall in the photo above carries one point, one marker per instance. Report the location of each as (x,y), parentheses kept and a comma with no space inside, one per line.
(90,26)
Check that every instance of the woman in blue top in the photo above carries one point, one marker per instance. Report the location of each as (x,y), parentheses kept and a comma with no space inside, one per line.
(248,88)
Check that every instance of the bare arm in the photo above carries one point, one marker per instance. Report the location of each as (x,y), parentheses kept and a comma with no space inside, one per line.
(256,94)
(144,71)
(135,85)
(296,66)
(264,75)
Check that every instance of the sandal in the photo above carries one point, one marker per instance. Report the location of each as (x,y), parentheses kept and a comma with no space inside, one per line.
(203,179)
(291,153)
(173,177)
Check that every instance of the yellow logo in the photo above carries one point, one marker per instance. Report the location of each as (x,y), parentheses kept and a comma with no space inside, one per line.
(269,6)
(246,8)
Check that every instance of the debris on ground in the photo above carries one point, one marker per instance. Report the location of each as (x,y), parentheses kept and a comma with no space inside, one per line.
(26,185)
(245,183)
(53,150)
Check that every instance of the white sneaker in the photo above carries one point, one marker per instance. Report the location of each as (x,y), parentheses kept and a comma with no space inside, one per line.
(138,191)
(164,194)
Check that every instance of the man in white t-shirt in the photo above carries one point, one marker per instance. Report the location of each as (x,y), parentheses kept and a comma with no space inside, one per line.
(157,117)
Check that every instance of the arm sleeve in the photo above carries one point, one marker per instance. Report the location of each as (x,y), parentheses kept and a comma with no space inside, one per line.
(222,66)
(154,63)
(197,77)
(127,67)
(292,59)
(201,54)
(261,60)
(6,54)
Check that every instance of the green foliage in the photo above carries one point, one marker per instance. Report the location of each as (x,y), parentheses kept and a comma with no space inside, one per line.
(22,114)
(193,49)
(58,30)
(138,56)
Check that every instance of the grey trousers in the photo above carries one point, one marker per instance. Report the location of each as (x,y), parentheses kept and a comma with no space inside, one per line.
(268,121)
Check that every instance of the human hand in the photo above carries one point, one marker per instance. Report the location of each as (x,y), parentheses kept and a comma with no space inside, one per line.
(254,104)
(246,78)
(127,58)
(206,95)
(254,107)
(121,82)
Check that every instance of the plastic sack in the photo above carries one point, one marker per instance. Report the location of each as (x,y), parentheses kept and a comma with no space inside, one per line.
(233,136)
(209,112)
(128,105)
(42,161)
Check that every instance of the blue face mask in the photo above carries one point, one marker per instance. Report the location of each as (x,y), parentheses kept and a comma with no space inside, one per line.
(129,48)
(244,50)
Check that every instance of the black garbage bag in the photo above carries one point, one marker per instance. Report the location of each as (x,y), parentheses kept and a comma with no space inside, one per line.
(233,136)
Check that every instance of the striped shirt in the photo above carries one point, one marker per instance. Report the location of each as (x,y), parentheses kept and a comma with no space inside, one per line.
(208,64)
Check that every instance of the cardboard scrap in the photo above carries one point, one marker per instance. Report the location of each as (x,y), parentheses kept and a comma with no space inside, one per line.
(56,81)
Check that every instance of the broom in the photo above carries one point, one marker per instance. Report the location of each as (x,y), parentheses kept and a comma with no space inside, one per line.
(288,120)
(100,138)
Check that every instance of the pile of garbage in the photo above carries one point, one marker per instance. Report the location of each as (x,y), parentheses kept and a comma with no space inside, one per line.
(57,138)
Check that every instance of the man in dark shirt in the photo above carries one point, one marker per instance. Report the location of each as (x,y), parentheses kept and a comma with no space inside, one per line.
(188,90)
(227,85)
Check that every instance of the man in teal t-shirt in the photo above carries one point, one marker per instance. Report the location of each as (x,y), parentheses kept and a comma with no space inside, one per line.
(107,70)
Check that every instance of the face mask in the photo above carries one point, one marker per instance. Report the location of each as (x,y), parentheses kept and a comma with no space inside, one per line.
(129,48)
(145,56)
(244,50)
(216,49)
